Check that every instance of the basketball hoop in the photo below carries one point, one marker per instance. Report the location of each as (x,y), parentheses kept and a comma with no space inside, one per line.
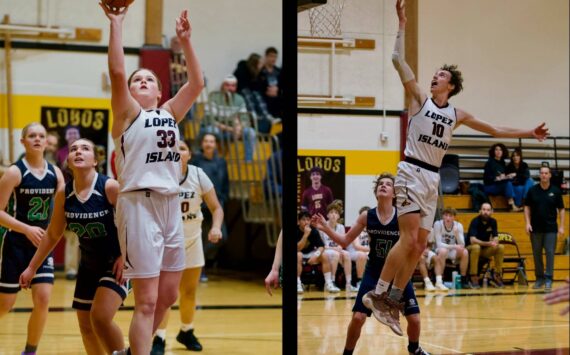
(325,19)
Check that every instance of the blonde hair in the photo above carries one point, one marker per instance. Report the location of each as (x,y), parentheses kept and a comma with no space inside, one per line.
(29,125)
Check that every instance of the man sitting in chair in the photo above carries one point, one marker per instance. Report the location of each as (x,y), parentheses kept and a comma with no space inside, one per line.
(309,246)
(484,242)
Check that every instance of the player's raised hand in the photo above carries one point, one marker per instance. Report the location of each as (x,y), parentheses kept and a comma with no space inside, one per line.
(114,13)
(401,11)
(183,28)
(541,132)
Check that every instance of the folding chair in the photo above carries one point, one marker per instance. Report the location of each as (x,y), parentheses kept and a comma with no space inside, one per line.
(513,262)
(312,274)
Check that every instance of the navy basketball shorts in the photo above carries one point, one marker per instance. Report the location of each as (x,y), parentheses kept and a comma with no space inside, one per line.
(16,257)
(88,280)
(369,283)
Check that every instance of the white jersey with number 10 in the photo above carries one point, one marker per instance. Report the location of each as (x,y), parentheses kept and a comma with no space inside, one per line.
(429,133)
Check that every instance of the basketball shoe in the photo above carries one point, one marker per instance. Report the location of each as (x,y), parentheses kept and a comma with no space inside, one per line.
(189,340)
(385,310)
(158,346)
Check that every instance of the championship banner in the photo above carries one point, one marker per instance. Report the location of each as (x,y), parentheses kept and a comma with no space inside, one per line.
(320,180)
(73,123)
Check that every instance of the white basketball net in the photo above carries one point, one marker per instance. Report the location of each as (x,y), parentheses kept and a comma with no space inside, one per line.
(325,19)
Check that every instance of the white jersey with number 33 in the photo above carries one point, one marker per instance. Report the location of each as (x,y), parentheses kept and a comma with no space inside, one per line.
(429,133)
(147,154)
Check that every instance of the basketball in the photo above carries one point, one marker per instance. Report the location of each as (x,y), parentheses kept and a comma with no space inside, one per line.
(116,4)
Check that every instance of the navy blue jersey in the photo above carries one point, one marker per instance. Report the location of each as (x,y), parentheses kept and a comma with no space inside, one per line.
(93,221)
(382,239)
(33,198)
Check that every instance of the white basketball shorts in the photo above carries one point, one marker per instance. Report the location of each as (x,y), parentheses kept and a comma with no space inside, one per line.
(417,190)
(150,233)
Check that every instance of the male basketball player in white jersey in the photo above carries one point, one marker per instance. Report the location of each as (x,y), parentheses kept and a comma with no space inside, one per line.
(148,208)
(430,127)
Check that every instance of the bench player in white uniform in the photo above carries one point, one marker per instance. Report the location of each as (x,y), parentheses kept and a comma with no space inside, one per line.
(32,181)
(450,244)
(430,128)
(195,187)
(148,166)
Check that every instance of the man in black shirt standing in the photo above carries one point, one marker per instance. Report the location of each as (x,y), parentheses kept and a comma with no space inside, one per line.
(543,204)
(309,246)
(484,241)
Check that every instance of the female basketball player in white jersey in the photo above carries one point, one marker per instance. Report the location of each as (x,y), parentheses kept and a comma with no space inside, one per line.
(195,187)
(430,128)
(148,208)
(33,183)
(86,207)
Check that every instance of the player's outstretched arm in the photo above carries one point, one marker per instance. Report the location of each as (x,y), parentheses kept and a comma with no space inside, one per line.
(185,97)
(272,278)
(399,61)
(344,240)
(53,235)
(124,106)
(559,295)
(540,132)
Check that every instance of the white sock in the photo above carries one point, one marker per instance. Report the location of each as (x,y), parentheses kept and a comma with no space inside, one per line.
(427,280)
(438,280)
(161,333)
(348,280)
(381,287)
(186,327)
(328,277)
(298,280)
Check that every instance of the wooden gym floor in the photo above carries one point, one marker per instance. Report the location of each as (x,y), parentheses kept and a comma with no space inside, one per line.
(511,320)
(234,317)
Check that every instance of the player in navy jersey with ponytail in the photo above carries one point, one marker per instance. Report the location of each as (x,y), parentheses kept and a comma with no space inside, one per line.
(86,207)
(32,181)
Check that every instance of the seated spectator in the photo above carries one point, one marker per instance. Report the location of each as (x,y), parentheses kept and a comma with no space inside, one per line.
(359,249)
(450,244)
(273,183)
(518,171)
(269,76)
(309,246)
(495,177)
(484,242)
(334,253)
(251,87)
(247,73)
(429,260)
(227,116)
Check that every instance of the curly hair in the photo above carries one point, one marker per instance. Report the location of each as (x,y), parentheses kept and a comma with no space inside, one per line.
(384,175)
(456,78)
(336,205)
(503,148)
